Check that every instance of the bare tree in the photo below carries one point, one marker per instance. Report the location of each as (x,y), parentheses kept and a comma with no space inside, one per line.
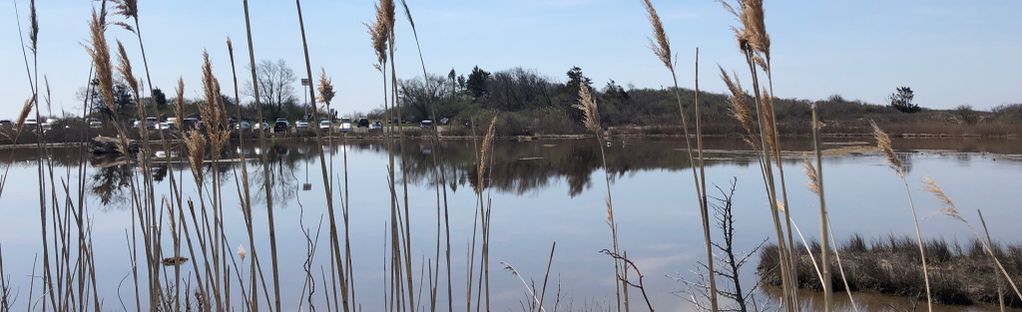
(730,261)
(276,84)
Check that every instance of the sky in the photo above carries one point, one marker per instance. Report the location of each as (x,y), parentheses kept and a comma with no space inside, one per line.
(950,52)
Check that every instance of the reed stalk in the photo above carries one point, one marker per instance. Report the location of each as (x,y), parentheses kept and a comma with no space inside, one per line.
(816,178)
(1001,287)
(754,43)
(245,196)
(887,149)
(437,164)
(591,119)
(327,188)
(950,210)
(265,164)
(662,49)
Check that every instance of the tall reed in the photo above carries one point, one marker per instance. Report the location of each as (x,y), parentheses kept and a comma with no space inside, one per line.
(245,196)
(327,184)
(661,47)
(887,150)
(754,43)
(265,162)
(950,210)
(816,185)
(591,120)
(441,175)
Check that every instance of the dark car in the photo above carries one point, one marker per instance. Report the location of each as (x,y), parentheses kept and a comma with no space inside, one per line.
(363,123)
(281,126)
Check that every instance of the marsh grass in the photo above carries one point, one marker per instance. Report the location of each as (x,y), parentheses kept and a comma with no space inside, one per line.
(961,273)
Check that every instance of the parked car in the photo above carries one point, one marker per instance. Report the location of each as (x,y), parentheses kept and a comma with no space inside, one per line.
(48,124)
(376,126)
(243,125)
(6,124)
(191,123)
(95,123)
(281,126)
(151,122)
(261,126)
(326,125)
(426,123)
(363,122)
(301,125)
(345,124)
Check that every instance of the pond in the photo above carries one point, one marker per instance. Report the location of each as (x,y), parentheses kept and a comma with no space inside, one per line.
(542,192)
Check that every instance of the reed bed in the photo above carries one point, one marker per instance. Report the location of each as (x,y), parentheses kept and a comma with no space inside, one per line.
(961,274)
(182,258)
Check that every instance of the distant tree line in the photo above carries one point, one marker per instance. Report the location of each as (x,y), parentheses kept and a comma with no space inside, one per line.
(534,103)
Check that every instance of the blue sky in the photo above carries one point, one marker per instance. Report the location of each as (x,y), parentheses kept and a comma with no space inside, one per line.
(949,52)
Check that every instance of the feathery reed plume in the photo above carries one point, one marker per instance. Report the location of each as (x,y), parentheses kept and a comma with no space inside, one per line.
(196,143)
(752,35)
(126,8)
(33,30)
(379,31)
(124,69)
(100,53)
(19,124)
(179,103)
(591,113)
(661,46)
(887,149)
(811,173)
(213,112)
(487,149)
(242,253)
(739,104)
(326,87)
(951,210)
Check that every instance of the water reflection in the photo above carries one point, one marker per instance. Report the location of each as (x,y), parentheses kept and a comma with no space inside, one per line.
(518,167)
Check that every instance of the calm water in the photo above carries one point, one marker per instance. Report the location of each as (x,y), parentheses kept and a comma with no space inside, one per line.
(543,192)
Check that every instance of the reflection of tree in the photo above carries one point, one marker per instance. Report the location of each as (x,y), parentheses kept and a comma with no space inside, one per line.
(111,183)
(519,167)
(527,166)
